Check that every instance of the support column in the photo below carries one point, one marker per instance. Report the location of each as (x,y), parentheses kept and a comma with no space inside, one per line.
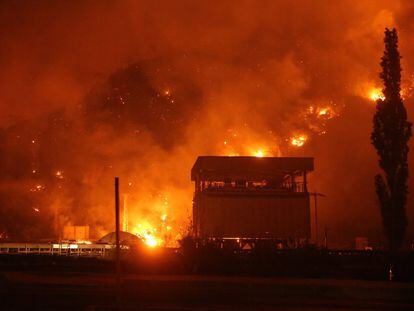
(305,182)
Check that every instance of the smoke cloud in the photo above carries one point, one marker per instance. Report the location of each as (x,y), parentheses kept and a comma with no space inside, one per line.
(135,89)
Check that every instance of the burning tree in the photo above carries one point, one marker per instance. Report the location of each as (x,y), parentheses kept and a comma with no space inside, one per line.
(390,135)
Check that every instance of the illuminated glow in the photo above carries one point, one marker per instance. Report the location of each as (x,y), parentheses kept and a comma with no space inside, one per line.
(376,94)
(150,240)
(37,188)
(311,109)
(323,112)
(164,217)
(36,209)
(84,242)
(298,140)
(259,153)
(59,174)
(147,233)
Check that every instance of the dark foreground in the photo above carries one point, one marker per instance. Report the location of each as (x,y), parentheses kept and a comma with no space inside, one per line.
(207,279)
(98,291)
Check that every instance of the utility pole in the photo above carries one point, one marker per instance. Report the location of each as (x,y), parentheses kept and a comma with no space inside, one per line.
(117,224)
(315,195)
(117,249)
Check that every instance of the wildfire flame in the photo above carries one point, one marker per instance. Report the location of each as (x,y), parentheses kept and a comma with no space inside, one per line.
(259,153)
(326,112)
(149,233)
(59,174)
(298,140)
(37,188)
(323,112)
(150,240)
(376,94)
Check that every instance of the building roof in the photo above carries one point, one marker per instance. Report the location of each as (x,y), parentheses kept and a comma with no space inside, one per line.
(212,168)
(124,238)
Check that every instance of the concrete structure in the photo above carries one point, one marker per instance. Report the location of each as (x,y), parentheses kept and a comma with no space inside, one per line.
(251,198)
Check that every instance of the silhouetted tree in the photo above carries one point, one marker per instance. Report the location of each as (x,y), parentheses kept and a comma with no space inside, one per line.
(390,135)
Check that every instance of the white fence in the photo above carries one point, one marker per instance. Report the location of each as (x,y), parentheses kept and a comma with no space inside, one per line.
(68,249)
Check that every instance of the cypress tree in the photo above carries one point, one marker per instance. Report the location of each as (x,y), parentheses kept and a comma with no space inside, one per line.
(390,135)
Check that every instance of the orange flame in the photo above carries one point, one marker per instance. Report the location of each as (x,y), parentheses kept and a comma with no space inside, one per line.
(376,94)
(148,234)
(259,153)
(298,140)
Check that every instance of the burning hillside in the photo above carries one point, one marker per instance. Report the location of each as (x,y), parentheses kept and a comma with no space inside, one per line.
(142,96)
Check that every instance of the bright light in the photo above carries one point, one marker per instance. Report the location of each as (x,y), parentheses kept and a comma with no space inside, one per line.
(298,140)
(323,112)
(376,94)
(147,233)
(259,153)
(37,188)
(84,242)
(150,240)
(59,174)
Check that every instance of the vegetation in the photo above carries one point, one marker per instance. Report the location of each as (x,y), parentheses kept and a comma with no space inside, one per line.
(390,135)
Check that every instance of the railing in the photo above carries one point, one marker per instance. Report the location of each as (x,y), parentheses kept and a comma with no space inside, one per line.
(286,187)
(68,249)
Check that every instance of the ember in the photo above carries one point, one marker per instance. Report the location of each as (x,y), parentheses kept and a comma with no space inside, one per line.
(59,174)
(37,188)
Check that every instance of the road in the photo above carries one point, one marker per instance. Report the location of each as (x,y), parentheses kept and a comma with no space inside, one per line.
(83,291)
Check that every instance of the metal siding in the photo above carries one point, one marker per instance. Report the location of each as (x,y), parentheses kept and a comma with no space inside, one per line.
(229,215)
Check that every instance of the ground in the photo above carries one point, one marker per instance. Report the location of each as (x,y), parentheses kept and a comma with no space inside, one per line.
(98,291)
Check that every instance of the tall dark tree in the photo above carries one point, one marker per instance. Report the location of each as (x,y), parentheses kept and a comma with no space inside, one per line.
(390,135)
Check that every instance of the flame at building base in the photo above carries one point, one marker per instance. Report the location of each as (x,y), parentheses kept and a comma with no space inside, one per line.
(148,234)
(154,235)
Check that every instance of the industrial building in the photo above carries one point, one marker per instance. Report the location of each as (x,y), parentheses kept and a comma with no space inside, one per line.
(251,198)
